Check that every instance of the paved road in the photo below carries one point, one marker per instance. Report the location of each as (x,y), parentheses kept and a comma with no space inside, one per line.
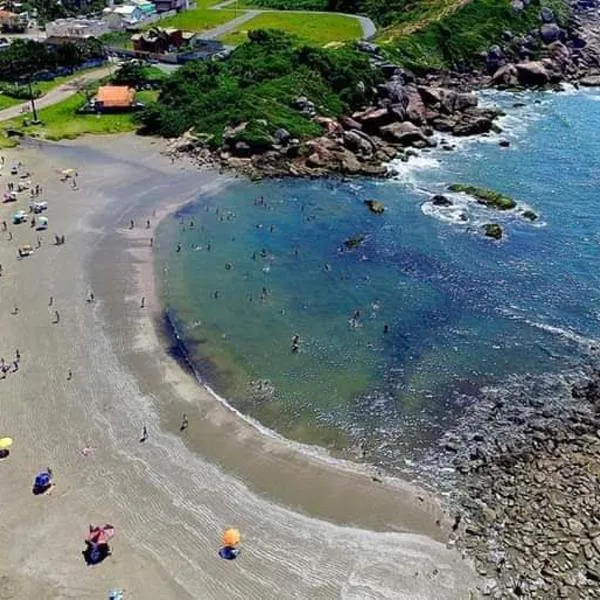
(232,25)
(58,94)
(367,25)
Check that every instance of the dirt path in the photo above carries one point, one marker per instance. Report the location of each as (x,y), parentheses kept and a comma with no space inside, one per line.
(58,94)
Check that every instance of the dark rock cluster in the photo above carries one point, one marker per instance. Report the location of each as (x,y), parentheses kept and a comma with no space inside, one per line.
(527,489)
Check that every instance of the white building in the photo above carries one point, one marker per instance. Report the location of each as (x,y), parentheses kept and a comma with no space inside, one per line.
(76,28)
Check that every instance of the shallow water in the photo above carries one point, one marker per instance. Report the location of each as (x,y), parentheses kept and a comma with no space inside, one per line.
(462,310)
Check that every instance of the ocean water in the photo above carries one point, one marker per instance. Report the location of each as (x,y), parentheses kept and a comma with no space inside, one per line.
(395,334)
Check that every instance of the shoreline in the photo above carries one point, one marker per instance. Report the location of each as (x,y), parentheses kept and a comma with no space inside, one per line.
(395,504)
(169,504)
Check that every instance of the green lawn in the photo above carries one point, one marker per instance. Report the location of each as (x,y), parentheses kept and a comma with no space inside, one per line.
(8,101)
(62,121)
(199,19)
(315,28)
(120,39)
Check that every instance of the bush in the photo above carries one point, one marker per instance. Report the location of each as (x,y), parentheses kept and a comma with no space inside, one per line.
(258,85)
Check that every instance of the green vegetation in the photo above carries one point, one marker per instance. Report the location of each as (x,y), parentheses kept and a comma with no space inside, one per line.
(484,196)
(286,4)
(199,19)
(119,39)
(48,10)
(450,39)
(318,29)
(24,58)
(258,86)
(138,75)
(63,121)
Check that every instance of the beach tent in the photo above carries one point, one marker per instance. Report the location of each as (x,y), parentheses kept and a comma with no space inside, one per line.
(42,223)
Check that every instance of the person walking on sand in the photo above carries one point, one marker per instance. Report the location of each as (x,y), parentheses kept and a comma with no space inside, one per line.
(10,236)
(56,317)
(147,223)
(17,354)
(143,302)
(184,423)
(144,434)
(131,224)
(151,242)
(4,226)
(15,310)
(69,375)
(51,301)
(15,366)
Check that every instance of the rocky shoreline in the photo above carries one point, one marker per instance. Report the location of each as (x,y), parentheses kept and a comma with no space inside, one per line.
(526,487)
(409,110)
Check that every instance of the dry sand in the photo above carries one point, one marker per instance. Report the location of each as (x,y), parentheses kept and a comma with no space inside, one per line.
(311,528)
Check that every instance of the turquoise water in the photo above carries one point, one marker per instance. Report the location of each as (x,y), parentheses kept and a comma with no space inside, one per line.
(461,310)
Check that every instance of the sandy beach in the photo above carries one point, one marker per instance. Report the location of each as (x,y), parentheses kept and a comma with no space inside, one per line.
(311,527)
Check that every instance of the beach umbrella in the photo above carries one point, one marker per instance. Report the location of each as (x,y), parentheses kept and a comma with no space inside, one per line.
(100,535)
(68,172)
(231,537)
(5,443)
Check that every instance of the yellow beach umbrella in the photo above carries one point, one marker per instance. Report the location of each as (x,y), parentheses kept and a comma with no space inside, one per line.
(68,171)
(5,443)
(231,537)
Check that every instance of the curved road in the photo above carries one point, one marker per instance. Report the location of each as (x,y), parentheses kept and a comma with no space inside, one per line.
(58,94)
(367,25)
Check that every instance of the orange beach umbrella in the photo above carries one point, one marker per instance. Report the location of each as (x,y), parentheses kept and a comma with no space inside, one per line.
(231,537)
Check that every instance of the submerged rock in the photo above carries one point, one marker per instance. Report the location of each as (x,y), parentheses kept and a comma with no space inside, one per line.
(375,206)
(441,200)
(493,230)
(354,241)
(484,196)
(530,215)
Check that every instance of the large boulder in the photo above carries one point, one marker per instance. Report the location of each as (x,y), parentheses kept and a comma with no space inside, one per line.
(373,118)
(359,142)
(416,110)
(393,91)
(550,32)
(405,134)
(472,124)
(328,124)
(546,15)
(506,75)
(447,101)
(494,59)
(590,81)
(532,73)
(348,123)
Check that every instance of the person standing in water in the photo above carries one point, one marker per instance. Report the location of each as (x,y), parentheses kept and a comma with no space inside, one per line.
(144,434)
(184,423)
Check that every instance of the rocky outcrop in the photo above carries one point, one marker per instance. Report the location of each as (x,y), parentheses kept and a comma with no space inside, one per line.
(527,482)
(493,230)
(375,206)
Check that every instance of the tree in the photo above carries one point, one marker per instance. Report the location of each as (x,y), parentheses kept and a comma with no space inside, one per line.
(131,73)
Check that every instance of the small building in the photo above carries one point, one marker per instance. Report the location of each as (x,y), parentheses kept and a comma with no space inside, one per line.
(10,22)
(158,40)
(76,28)
(166,5)
(114,98)
(148,8)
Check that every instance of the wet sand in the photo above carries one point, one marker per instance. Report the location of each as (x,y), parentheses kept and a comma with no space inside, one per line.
(171,496)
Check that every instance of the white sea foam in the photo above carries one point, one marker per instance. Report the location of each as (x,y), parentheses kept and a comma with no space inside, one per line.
(407,172)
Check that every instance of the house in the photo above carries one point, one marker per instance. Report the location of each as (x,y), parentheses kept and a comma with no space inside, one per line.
(166,5)
(9,21)
(123,16)
(76,28)
(114,97)
(158,40)
(148,8)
